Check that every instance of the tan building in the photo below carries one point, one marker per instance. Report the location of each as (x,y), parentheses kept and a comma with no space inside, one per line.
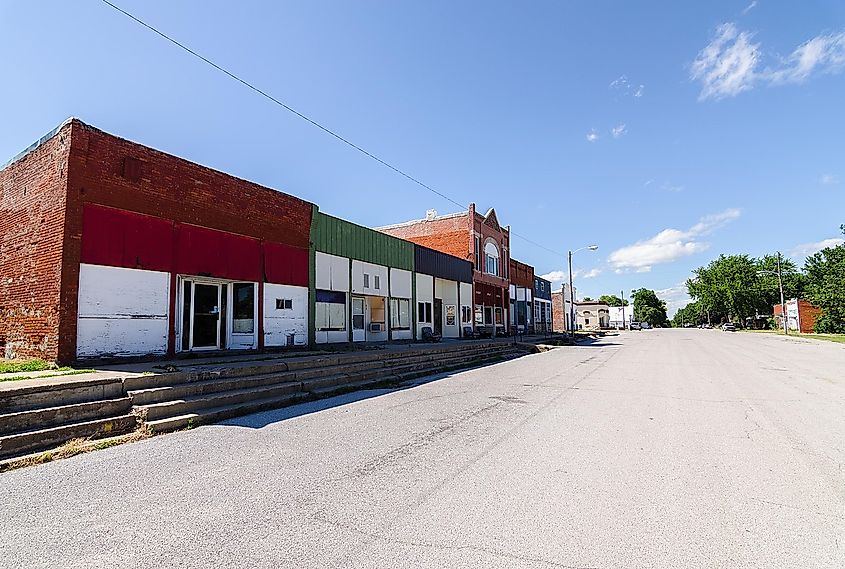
(592,315)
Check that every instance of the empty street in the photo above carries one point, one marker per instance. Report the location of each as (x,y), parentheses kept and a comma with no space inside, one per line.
(660,448)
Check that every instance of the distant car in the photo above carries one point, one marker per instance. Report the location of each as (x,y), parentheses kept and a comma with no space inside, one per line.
(636,326)
(645,325)
(728,327)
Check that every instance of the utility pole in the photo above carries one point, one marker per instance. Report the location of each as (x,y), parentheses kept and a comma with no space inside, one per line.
(622,294)
(572,288)
(571,300)
(782,304)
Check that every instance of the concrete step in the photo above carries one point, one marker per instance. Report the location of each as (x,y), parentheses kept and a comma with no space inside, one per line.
(42,439)
(193,411)
(196,403)
(35,419)
(304,366)
(53,392)
(223,382)
(214,414)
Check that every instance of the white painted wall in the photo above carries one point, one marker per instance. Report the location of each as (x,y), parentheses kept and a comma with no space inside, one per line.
(447,291)
(400,283)
(358,270)
(424,293)
(279,324)
(122,312)
(332,272)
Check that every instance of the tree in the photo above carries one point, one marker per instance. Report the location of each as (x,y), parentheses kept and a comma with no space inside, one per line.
(689,314)
(825,287)
(612,300)
(649,308)
(587,299)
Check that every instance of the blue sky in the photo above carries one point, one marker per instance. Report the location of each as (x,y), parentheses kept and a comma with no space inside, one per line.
(665,132)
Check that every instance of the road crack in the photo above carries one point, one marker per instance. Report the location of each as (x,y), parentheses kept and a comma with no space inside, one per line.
(443,547)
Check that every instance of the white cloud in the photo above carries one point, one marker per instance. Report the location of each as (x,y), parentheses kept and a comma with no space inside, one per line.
(622,85)
(828,180)
(807,249)
(749,7)
(648,183)
(592,136)
(562,276)
(730,63)
(619,130)
(676,297)
(669,187)
(726,66)
(669,245)
(825,54)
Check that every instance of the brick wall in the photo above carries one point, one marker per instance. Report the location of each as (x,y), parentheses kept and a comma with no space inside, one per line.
(558,312)
(32,228)
(449,235)
(110,171)
(521,274)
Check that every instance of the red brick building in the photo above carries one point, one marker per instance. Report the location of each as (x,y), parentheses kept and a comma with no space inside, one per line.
(481,240)
(800,315)
(521,296)
(108,247)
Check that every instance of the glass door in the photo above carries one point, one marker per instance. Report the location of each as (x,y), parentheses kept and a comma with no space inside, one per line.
(205,316)
(359,333)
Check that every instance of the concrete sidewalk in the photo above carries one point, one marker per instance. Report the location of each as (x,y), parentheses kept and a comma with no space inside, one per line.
(219,360)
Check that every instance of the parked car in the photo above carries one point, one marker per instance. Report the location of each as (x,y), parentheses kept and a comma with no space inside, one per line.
(728,327)
(645,325)
(636,326)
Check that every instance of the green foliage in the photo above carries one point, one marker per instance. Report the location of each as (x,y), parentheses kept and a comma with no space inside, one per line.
(689,314)
(735,287)
(612,300)
(29,365)
(825,287)
(649,308)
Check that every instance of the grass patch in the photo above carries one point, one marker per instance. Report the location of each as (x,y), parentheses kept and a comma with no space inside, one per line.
(60,372)
(838,338)
(25,366)
(74,447)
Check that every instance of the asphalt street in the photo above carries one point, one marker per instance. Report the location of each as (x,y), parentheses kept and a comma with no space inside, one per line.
(660,448)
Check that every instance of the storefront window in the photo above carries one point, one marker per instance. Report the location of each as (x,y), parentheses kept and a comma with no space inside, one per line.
(330,311)
(243,298)
(400,314)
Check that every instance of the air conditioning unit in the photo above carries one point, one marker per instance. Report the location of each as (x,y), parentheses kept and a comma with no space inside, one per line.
(376,327)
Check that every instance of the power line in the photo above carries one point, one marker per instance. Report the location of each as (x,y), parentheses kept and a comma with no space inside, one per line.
(301,115)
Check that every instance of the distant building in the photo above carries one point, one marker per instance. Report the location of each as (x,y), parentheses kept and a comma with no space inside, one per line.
(479,239)
(562,309)
(621,316)
(542,305)
(592,315)
(801,316)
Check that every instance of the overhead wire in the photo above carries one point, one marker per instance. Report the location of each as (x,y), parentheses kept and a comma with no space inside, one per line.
(304,117)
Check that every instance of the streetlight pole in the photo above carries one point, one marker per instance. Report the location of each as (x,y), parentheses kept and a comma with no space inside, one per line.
(622,294)
(779,273)
(572,288)
(782,304)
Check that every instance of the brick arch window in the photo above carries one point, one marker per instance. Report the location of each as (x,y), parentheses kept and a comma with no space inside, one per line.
(491,258)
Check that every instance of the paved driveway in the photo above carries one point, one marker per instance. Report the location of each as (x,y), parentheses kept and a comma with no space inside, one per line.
(661,448)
